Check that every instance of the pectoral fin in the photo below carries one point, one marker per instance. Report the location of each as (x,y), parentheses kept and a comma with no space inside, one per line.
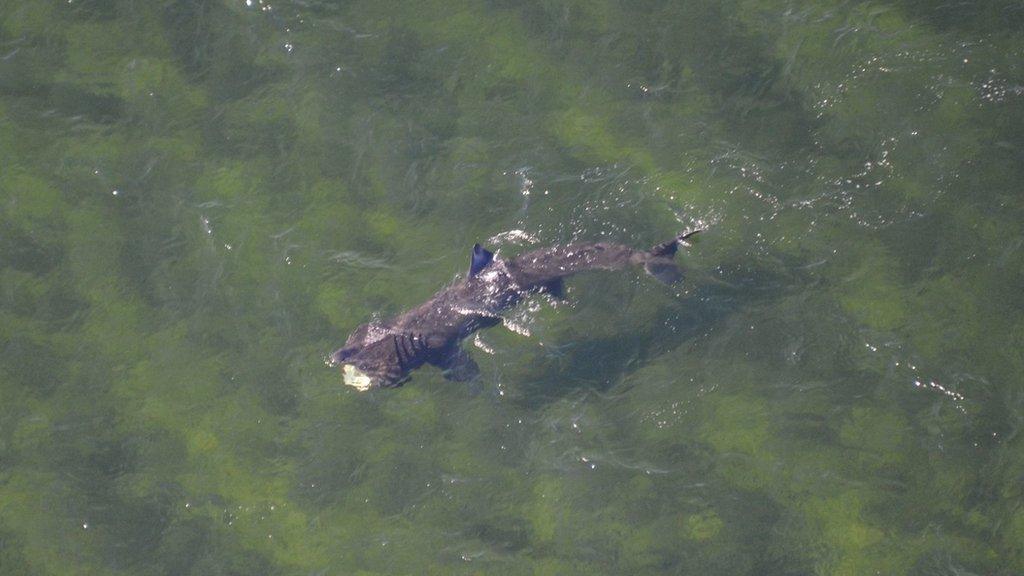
(555,289)
(459,366)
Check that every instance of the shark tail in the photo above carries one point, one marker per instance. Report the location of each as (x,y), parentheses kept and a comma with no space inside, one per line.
(660,262)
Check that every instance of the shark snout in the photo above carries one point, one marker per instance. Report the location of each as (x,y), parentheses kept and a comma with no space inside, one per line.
(341,354)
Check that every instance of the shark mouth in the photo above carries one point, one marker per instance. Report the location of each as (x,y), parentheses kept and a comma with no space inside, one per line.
(356,378)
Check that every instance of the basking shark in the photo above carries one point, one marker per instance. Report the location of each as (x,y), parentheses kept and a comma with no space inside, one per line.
(383,354)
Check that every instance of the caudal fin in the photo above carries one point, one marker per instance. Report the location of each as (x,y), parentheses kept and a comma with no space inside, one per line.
(669,248)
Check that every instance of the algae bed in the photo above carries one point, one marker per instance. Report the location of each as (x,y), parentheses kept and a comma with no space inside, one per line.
(199,199)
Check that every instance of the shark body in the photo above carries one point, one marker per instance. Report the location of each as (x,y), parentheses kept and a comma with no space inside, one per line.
(383,354)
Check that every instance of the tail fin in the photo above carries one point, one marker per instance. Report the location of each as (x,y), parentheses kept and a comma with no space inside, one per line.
(669,248)
(660,264)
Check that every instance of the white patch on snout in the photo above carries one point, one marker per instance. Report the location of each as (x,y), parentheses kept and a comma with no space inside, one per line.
(356,378)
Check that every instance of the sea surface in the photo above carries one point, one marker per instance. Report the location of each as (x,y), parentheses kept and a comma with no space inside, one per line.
(200,199)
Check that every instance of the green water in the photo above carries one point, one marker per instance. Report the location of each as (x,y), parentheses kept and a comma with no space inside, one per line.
(199,199)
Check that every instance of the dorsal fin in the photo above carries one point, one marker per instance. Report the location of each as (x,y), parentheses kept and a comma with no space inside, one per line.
(669,248)
(481,258)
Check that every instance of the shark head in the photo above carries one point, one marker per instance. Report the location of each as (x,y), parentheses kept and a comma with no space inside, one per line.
(364,378)
(368,369)
(377,358)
